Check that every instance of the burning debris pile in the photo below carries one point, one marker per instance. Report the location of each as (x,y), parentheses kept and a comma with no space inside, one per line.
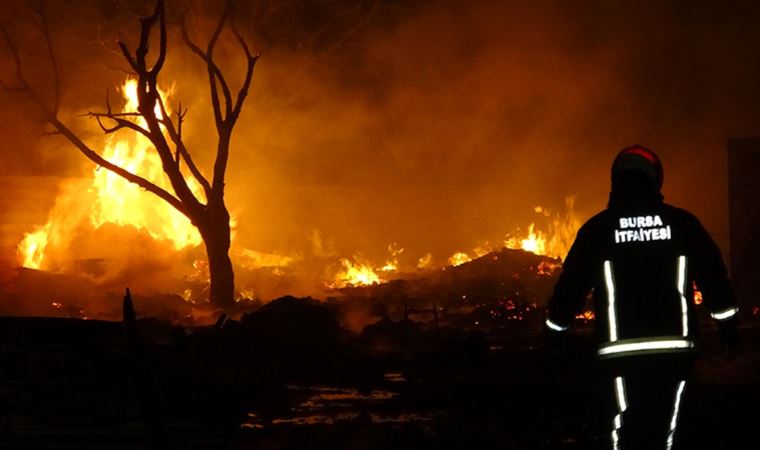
(500,286)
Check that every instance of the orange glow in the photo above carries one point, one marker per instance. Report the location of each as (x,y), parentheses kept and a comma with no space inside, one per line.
(697,294)
(355,274)
(459,258)
(533,243)
(391,265)
(425,261)
(555,240)
(115,200)
(586,315)
(31,249)
(251,259)
(548,267)
(121,202)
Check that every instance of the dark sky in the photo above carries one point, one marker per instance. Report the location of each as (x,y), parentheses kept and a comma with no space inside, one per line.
(433,124)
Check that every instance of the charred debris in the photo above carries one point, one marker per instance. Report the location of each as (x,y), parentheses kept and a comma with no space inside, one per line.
(450,359)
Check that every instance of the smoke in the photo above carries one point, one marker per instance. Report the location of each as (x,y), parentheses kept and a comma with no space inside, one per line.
(434,126)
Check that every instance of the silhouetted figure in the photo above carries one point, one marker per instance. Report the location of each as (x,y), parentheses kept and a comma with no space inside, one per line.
(640,256)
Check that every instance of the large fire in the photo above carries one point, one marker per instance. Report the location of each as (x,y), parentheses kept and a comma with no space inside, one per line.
(113,200)
(117,201)
(123,203)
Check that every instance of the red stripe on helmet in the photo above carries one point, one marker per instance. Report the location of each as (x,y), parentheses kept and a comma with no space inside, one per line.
(651,157)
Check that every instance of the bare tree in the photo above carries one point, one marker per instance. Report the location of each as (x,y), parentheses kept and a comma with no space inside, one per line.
(164,131)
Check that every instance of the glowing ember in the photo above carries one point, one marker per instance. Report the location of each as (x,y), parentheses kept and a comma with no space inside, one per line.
(586,315)
(697,294)
(425,261)
(548,267)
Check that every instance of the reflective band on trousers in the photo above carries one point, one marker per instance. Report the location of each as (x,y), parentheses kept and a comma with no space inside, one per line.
(674,418)
(555,326)
(634,346)
(725,314)
(620,394)
(681,284)
(611,314)
(622,404)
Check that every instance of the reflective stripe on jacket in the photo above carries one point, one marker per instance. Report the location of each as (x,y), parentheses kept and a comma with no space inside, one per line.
(641,263)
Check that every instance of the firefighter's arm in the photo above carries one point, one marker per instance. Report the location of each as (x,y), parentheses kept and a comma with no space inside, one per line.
(573,284)
(711,277)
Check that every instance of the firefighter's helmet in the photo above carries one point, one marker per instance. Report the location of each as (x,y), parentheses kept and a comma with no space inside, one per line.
(639,158)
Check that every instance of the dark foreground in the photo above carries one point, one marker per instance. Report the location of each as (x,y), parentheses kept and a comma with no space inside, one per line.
(288,380)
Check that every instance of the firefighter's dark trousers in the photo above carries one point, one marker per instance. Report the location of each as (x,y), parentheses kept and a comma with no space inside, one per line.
(648,397)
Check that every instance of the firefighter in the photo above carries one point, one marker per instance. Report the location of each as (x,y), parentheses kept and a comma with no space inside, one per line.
(640,258)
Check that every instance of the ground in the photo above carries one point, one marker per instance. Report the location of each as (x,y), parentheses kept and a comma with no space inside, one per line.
(69,383)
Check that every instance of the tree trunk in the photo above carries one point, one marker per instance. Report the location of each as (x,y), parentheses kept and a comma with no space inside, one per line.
(216,237)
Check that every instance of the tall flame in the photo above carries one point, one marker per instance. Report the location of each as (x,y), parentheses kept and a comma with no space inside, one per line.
(32,248)
(558,237)
(123,203)
(115,200)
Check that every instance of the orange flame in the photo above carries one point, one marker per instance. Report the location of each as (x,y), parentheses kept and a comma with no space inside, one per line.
(115,200)
(123,203)
(459,258)
(355,274)
(31,249)
(697,294)
(558,237)
(391,265)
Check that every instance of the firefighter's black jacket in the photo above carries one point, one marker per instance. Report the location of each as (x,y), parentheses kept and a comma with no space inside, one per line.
(641,257)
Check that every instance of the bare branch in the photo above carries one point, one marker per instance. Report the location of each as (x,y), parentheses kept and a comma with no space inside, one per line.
(120,123)
(110,115)
(214,73)
(146,24)
(129,176)
(51,54)
(222,155)
(175,134)
(251,64)
(218,30)
(16,60)
(162,40)
(180,118)
(128,56)
(350,33)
